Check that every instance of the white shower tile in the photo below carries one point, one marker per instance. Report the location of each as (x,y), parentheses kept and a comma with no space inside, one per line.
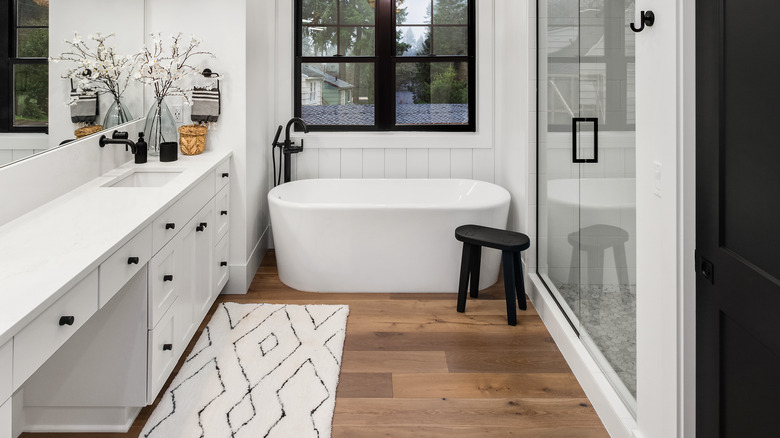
(461,163)
(417,163)
(532,191)
(439,163)
(614,161)
(395,163)
(630,162)
(484,165)
(373,163)
(352,163)
(308,164)
(330,163)
(529,227)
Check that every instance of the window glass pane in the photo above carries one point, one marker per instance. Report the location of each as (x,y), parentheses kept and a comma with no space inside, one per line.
(358,11)
(412,40)
(450,40)
(413,11)
(31,94)
(432,93)
(319,40)
(357,41)
(32,43)
(337,93)
(450,12)
(319,12)
(32,12)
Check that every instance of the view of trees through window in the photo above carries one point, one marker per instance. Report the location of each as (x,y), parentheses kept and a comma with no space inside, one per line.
(29,63)
(347,80)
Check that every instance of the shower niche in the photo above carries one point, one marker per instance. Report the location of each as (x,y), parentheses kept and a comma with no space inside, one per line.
(586,176)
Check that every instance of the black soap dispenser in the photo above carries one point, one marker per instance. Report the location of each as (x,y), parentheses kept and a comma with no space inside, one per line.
(140,149)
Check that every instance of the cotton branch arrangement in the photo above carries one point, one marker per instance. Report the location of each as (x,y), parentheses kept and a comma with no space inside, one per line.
(165,69)
(100,70)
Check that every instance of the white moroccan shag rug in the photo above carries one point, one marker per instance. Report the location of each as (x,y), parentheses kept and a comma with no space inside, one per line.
(257,371)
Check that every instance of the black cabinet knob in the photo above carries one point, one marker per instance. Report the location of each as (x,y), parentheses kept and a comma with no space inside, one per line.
(170,226)
(222,263)
(133,260)
(223,213)
(204,224)
(225,175)
(199,228)
(167,277)
(67,320)
(167,347)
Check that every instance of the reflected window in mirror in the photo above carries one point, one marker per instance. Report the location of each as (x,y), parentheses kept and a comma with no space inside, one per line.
(24,70)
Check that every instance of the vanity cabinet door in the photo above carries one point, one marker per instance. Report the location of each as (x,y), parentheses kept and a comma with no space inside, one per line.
(222,175)
(164,279)
(221,265)
(5,420)
(186,260)
(204,247)
(222,213)
(6,367)
(163,353)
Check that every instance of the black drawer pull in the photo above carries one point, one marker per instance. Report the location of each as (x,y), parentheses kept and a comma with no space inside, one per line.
(199,228)
(204,224)
(67,320)
(222,263)
(225,175)
(133,260)
(170,226)
(223,213)
(167,347)
(167,277)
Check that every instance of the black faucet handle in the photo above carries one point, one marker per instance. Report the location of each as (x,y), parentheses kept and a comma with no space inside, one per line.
(120,135)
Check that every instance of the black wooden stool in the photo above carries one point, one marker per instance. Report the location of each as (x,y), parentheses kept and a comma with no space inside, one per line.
(474,237)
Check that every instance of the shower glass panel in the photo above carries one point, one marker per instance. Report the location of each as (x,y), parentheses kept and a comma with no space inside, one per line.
(586,146)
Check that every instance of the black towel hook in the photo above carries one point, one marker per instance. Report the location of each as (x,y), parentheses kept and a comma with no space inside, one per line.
(647,19)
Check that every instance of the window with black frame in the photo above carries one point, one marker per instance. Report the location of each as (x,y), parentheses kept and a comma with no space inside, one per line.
(24,69)
(386,65)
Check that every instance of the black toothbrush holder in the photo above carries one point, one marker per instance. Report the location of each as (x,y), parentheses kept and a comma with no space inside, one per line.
(169,151)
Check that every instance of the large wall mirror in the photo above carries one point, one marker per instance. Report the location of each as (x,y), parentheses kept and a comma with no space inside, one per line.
(39,108)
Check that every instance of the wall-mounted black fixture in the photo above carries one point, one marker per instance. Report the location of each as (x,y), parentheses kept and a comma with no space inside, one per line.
(287,148)
(122,138)
(646,19)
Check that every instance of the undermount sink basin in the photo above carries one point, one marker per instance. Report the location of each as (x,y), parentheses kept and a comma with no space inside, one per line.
(142,178)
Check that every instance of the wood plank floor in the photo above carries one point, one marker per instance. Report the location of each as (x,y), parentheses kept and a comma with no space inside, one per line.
(414,367)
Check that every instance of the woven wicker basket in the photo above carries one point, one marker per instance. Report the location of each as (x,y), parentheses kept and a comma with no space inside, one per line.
(87,130)
(192,139)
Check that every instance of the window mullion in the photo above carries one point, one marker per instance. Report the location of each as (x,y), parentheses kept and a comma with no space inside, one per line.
(384,47)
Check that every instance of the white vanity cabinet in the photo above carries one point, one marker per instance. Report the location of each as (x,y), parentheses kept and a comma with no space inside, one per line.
(91,360)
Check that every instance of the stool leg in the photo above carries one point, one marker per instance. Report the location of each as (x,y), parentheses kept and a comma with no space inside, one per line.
(575,266)
(622,264)
(476,258)
(596,267)
(464,277)
(509,288)
(519,281)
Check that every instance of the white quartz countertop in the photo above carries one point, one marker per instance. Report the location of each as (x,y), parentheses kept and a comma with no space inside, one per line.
(46,252)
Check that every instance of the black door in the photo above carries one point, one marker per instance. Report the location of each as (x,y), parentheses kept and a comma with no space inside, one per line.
(738,218)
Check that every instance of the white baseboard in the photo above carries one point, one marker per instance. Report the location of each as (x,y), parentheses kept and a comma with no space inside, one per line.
(79,419)
(616,417)
(241,275)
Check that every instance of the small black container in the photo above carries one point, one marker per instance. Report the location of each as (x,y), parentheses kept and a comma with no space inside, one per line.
(169,151)
(140,149)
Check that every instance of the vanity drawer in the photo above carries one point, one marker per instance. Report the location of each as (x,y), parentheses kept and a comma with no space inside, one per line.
(163,281)
(36,342)
(221,265)
(222,175)
(6,367)
(223,213)
(6,415)
(123,264)
(173,219)
(162,355)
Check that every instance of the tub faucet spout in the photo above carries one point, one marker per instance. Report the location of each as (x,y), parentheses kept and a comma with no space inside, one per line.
(289,144)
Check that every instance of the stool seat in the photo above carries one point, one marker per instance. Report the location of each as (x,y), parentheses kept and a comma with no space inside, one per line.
(594,240)
(474,237)
(495,238)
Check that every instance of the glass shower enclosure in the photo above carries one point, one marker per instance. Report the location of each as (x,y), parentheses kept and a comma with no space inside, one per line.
(586,170)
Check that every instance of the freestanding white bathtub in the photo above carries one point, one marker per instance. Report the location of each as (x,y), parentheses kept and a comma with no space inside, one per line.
(381,235)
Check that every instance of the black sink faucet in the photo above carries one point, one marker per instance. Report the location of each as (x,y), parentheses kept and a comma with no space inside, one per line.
(122,138)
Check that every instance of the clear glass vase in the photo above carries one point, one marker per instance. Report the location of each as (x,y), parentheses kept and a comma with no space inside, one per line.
(160,127)
(117,114)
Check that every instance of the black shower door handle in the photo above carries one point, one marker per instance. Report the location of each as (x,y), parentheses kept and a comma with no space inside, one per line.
(576,158)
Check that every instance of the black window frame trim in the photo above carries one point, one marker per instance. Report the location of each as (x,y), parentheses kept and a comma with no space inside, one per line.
(385,61)
(8,60)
